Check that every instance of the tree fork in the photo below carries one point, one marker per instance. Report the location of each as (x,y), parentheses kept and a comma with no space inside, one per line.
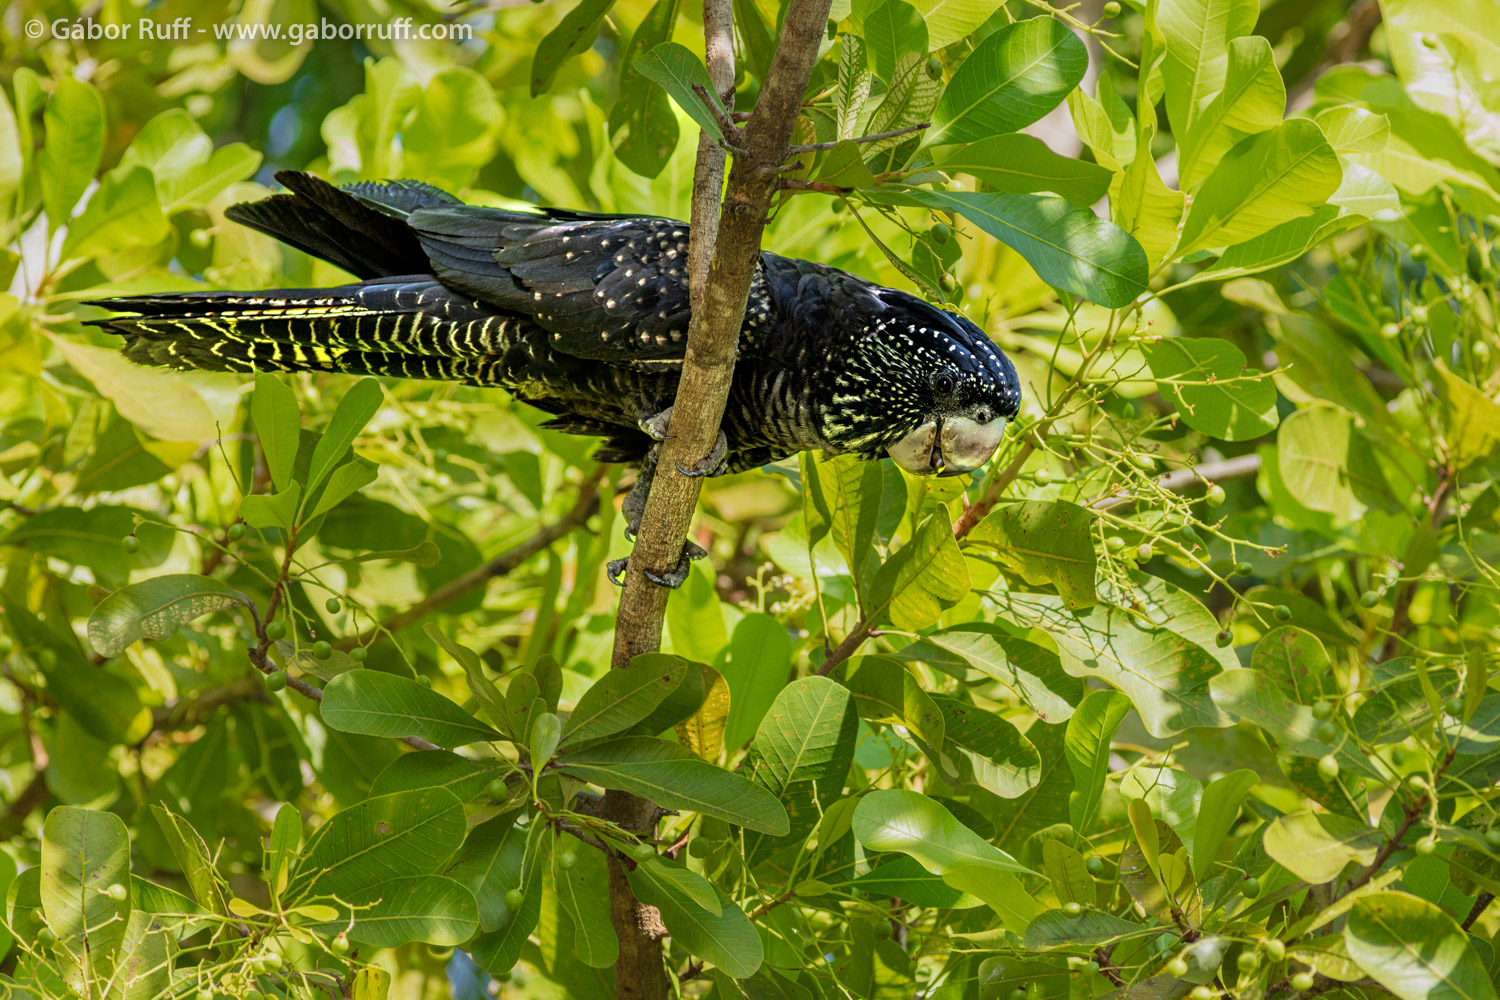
(723,255)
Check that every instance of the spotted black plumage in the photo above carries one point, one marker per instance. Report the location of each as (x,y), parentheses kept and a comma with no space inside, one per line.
(585,316)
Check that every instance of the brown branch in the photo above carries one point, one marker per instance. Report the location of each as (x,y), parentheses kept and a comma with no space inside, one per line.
(1105,958)
(1345,42)
(821,187)
(846,649)
(1481,903)
(818,147)
(1241,467)
(188,711)
(499,566)
(1392,844)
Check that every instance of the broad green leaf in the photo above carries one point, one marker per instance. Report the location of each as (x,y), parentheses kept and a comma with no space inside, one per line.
(727,940)
(1020,164)
(1297,662)
(1069,248)
(1414,949)
(1033,673)
(499,950)
(1268,179)
(382,838)
(842,499)
(484,690)
(1145,207)
(1087,747)
(355,409)
(853,85)
(621,698)
(192,856)
(142,967)
(925,575)
(439,769)
(83,853)
(892,30)
(642,127)
(392,912)
(283,848)
(346,480)
(1003,761)
(373,703)
(1219,809)
(1197,34)
(675,69)
(805,734)
(74,123)
(1070,878)
(1471,419)
(904,878)
(276,510)
(1254,697)
(885,691)
(1171,794)
(674,777)
(1045,542)
(1090,929)
(1329,464)
(1253,100)
(156,609)
(199,186)
(490,864)
(122,214)
(542,740)
(1352,129)
(12,166)
(1011,79)
(105,703)
(278,423)
(950,20)
(579,890)
(1216,391)
(1317,846)
(1165,675)
(158,402)
(909,100)
(756,668)
(574,34)
(680,881)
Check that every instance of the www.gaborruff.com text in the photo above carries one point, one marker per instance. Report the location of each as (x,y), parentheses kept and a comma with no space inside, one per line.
(183,29)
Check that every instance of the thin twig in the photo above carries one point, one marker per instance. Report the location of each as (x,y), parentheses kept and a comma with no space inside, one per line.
(1240,467)
(818,147)
(1481,903)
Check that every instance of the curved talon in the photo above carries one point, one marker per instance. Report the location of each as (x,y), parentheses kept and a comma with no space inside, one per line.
(693,473)
(615,570)
(631,527)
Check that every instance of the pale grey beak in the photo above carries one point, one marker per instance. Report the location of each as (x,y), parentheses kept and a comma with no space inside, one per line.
(948,446)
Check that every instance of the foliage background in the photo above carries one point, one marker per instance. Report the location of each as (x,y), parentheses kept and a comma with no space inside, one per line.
(1346,717)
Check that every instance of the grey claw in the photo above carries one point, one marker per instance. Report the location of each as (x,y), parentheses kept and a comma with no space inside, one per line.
(691,473)
(615,570)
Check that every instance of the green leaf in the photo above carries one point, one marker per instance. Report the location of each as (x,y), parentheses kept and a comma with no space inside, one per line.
(1021,164)
(853,85)
(105,703)
(278,425)
(346,480)
(1003,761)
(904,878)
(480,685)
(192,857)
(83,853)
(382,838)
(925,575)
(1414,949)
(283,848)
(912,824)
(893,29)
(1033,673)
(156,609)
(1197,34)
(579,890)
(727,940)
(1253,100)
(1070,878)
(542,740)
(950,20)
(757,666)
(439,769)
(841,497)
(205,182)
(355,409)
(1219,808)
(642,127)
(1069,248)
(1011,79)
(674,777)
(1165,675)
(1087,746)
(1270,178)
(122,214)
(885,691)
(158,402)
(675,69)
(397,911)
(1254,697)
(805,734)
(1352,129)
(621,698)
(681,881)
(1091,929)
(372,703)
(74,123)
(278,510)
(574,35)
(490,864)
(1215,390)
(1317,846)
(1471,420)
(499,950)
(1045,542)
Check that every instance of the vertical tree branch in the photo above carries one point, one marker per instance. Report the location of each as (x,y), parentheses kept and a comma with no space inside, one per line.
(723,253)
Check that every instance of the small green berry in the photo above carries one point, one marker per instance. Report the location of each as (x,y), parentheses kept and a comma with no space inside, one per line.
(322,650)
(275,630)
(1281,613)
(1326,732)
(934,67)
(1019,993)
(1248,962)
(1143,462)
(46,937)
(1089,968)
(700,847)
(1072,908)
(1328,767)
(1369,599)
(1276,948)
(1215,496)
(1112,9)
(1250,887)
(514,898)
(270,963)
(1417,782)
(424,680)
(200,238)
(117,892)
(1492,838)
(642,851)
(567,860)
(1178,967)
(130,543)
(275,681)
(883,930)
(1243,569)
(1114,543)
(1426,845)
(497,790)
(1419,315)
(333,605)
(340,944)
(1145,552)
(252,995)
(1302,982)
(1095,865)
(1202,993)
(235,532)
(1418,252)
(1390,331)
(941,232)
(204,995)
(1453,706)
(1224,639)
(1322,710)
(948,283)
(1041,477)
(359,654)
